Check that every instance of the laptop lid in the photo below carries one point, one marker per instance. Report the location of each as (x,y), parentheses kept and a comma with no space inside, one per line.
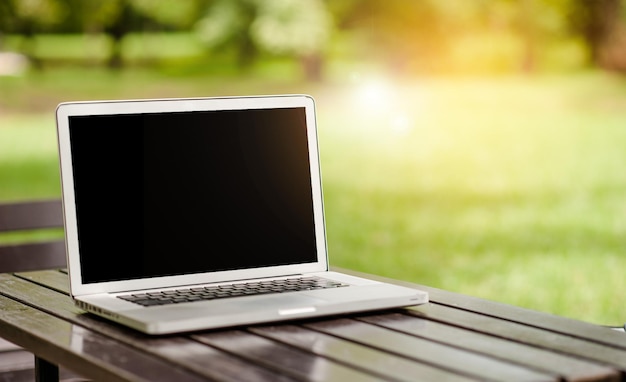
(169,192)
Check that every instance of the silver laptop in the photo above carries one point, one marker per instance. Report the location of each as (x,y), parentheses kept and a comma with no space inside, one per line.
(189,214)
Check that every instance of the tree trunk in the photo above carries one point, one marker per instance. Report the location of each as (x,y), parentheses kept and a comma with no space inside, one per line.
(118,29)
(312,65)
(529,36)
(605,33)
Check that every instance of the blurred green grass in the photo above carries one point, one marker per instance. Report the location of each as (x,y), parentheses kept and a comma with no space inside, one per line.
(28,157)
(509,188)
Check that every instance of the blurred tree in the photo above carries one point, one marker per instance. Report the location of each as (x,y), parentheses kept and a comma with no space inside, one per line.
(118,18)
(417,35)
(408,34)
(294,27)
(29,17)
(427,35)
(118,27)
(298,28)
(226,26)
(539,23)
(179,15)
(603,25)
(432,35)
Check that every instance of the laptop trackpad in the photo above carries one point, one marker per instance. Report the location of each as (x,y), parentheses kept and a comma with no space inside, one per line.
(284,304)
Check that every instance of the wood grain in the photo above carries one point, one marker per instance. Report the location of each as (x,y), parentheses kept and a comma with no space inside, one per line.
(565,326)
(547,339)
(433,353)
(285,359)
(88,353)
(376,362)
(567,368)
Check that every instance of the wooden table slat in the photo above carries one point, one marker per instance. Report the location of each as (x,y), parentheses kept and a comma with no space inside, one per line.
(283,358)
(54,279)
(65,343)
(563,325)
(388,366)
(211,362)
(524,334)
(442,356)
(568,368)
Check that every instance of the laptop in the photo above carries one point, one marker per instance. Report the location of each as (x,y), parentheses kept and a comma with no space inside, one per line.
(191,214)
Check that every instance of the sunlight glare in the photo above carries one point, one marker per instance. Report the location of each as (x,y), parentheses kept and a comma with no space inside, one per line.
(375,95)
(376,100)
(401,124)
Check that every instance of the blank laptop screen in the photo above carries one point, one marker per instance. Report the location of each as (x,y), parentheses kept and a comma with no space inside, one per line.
(167,194)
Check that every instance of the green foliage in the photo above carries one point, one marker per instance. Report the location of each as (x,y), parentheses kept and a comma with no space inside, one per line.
(181,13)
(94,15)
(30,14)
(225,23)
(426,36)
(294,27)
(468,36)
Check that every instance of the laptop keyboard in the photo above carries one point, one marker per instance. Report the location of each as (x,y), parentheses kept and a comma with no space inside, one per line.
(231,290)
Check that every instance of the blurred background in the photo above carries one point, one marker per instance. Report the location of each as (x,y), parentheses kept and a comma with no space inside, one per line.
(475,146)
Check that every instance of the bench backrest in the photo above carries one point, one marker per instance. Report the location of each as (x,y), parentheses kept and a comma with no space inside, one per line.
(31,254)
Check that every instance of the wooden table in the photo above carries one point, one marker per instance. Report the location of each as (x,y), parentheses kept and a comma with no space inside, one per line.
(453,338)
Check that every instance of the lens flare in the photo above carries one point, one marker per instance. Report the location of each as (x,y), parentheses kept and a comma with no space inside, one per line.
(375,95)
(377,103)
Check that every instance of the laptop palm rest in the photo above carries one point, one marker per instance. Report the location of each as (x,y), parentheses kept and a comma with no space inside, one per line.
(276,303)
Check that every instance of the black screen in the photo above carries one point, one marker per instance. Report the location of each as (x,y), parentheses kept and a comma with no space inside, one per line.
(176,193)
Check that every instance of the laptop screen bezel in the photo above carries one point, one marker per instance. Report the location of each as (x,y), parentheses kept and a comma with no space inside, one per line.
(66,110)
